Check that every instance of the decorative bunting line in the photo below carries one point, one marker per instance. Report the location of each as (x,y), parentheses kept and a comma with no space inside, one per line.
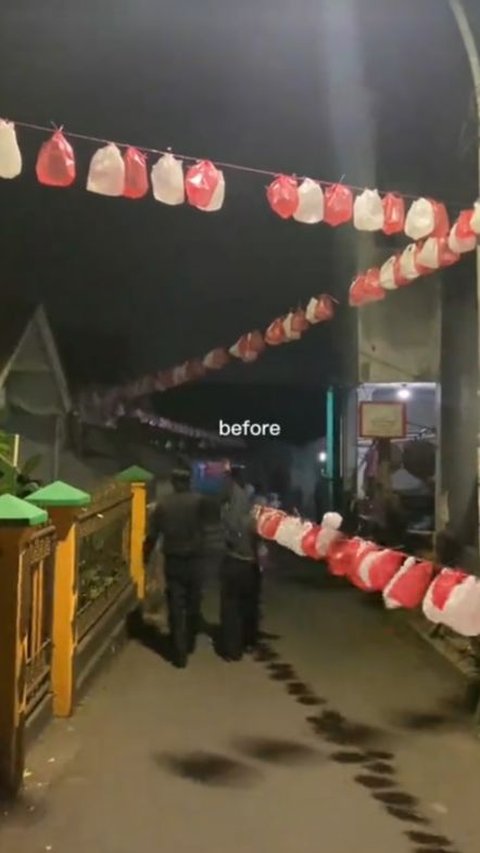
(247,348)
(449,597)
(305,200)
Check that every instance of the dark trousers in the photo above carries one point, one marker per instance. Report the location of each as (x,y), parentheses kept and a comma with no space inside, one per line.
(184,581)
(240,589)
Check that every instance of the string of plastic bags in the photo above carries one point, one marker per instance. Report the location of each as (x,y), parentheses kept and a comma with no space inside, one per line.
(448,597)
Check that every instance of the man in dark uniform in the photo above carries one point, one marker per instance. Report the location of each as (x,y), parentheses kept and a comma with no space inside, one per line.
(239,574)
(180,519)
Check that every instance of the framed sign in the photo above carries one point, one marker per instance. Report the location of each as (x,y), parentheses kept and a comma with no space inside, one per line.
(383,420)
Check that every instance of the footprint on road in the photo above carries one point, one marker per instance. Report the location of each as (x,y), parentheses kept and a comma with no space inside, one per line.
(429,839)
(374,782)
(208,769)
(397,798)
(407,817)
(348,757)
(276,751)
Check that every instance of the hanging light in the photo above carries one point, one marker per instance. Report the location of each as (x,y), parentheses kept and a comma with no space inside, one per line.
(404,393)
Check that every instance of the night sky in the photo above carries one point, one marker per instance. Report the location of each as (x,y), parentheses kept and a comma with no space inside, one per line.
(135,286)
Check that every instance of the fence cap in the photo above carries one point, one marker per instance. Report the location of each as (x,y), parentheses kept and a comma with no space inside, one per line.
(18,513)
(59,494)
(135,474)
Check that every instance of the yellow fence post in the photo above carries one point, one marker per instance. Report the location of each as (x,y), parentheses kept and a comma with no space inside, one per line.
(16,517)
(63,502)
(138,479)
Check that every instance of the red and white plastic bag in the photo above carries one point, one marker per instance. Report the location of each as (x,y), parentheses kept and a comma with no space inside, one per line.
(216,359)
(366,288)
(248,347)
(311,203)
(218,197)
(275,334)
(460,243)
(10,155)
(368,213)
(168,182)
(269,523)
(55,165)
(327,534)
(291,329)
(106,174)
(436,253)
(438,593)
(409,585)
(388,278)
(420,219)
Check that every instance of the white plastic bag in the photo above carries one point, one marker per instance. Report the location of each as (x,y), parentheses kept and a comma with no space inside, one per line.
(420,220)
(368,213)
(429,255)
(10,156)
(311,205)
(296,541)
(462,610)
(408,263)
(218,197)
(291,334)
(475,220)
(286,531)
(387,274)
(106,175)
(328,533)
(460,245)
(168,183)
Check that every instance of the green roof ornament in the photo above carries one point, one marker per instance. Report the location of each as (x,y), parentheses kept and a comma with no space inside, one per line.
(135,474)
(59,494)
(17,513)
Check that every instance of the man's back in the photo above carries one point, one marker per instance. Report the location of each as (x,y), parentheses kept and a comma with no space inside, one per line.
(181,518)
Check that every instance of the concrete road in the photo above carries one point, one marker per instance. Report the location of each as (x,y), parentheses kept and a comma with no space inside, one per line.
(344,736)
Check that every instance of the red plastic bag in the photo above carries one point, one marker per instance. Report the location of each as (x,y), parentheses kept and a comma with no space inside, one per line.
(136,178)
(56,162)
(270,522)
(195,370)
(201,181)
(394,213)
(444,584)
(442,222)
(409,585)
(366,288)
(377,568)
(299,321)
(338,205)
(275,334)
(339,556)
(464,225)
(283,196)
(319,309)
(248,347)
(363,549)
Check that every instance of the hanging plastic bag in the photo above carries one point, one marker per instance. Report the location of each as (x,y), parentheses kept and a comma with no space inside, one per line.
(441,225)
(328,533)
(409,585)
(218,196)
(311,203)
(201,181)
(410,266)
(338,556)
(320,309)
(168,183)
(462,609)
(283,196)
(309,541)
(194,370)
(297,539)
(394,214)
(368,212)
(475,219)
(420,220)
(179,374)
(291,333)
(10,155)
(338,205)
(136,178)
(366,288)
(286,530)
(353,574)
(275,334)
(464,225)
(248,347)
(216,359)
(387,274)
(438,593)
(56,162)
(459,245)
(106,175)
(299,321)
(379,567)
(270,522)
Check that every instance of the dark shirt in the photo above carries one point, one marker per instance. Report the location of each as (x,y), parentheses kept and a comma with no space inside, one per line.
(180,518)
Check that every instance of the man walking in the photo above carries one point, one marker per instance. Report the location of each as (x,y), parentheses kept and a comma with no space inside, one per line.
(180,519)
(239,574)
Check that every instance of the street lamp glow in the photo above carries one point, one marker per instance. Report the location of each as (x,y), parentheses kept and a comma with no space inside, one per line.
(322,456)
(404,393)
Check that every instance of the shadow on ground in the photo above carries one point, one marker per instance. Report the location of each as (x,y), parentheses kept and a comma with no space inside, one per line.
(208,768)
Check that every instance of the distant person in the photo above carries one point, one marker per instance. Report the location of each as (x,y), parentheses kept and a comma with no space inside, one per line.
(180,519)
(240,583)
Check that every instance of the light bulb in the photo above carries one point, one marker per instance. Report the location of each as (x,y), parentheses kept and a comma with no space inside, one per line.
(404,393)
